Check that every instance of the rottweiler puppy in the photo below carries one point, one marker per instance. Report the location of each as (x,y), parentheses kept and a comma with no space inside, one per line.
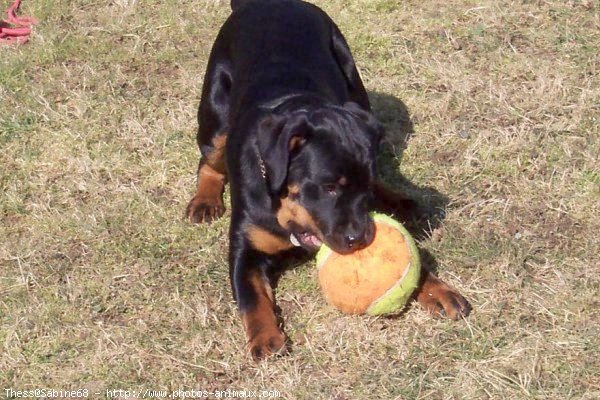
(285,118)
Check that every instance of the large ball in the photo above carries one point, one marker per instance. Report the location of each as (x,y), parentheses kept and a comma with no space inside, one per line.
(376,280)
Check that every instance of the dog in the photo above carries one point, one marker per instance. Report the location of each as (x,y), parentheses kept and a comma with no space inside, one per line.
(285,119)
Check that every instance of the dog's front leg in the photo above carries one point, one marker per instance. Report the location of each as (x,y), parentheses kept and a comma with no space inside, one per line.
(254,296)
(439,298)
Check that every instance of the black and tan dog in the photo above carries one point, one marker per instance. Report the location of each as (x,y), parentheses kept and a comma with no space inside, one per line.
(284,116)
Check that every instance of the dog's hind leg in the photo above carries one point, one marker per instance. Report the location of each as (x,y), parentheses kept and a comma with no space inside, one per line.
(213,114)
(343,56)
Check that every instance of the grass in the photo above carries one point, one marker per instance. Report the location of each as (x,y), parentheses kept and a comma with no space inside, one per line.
(103,285)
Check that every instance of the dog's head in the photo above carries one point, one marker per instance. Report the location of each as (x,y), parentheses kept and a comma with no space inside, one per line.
(320,163)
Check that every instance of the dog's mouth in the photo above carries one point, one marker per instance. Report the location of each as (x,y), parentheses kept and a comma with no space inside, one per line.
(305,239)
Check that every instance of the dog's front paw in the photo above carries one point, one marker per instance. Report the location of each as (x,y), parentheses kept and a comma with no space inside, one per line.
(267,343)
(204,209)
(440,299)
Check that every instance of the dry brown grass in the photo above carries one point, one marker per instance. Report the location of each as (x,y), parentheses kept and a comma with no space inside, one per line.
(103,285)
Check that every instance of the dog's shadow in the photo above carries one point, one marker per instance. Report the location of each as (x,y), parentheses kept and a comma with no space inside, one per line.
(430,203)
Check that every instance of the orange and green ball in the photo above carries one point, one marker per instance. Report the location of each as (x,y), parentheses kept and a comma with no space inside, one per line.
(376,280)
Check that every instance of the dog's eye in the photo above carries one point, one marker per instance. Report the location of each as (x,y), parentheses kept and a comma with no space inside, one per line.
(331,189)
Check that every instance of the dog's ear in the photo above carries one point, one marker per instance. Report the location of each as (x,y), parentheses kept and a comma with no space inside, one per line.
(375,128)
(278,137)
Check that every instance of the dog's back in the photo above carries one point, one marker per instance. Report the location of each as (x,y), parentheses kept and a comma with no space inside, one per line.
(280,47)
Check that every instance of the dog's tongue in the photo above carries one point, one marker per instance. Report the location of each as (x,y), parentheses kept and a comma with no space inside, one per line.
(315,240)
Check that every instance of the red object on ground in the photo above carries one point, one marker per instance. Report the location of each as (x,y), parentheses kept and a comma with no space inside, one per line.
(15,30)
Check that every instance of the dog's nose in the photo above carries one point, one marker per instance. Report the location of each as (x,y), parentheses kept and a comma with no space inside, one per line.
(354,241)
(350,240)
(357,237)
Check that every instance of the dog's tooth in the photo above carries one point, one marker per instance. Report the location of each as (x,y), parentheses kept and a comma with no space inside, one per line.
(294,240)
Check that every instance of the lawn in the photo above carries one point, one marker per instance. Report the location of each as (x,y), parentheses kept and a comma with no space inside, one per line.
(492,113)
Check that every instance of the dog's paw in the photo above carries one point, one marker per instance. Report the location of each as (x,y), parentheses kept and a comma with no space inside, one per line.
(204,209)
(444,301)
(267,343)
